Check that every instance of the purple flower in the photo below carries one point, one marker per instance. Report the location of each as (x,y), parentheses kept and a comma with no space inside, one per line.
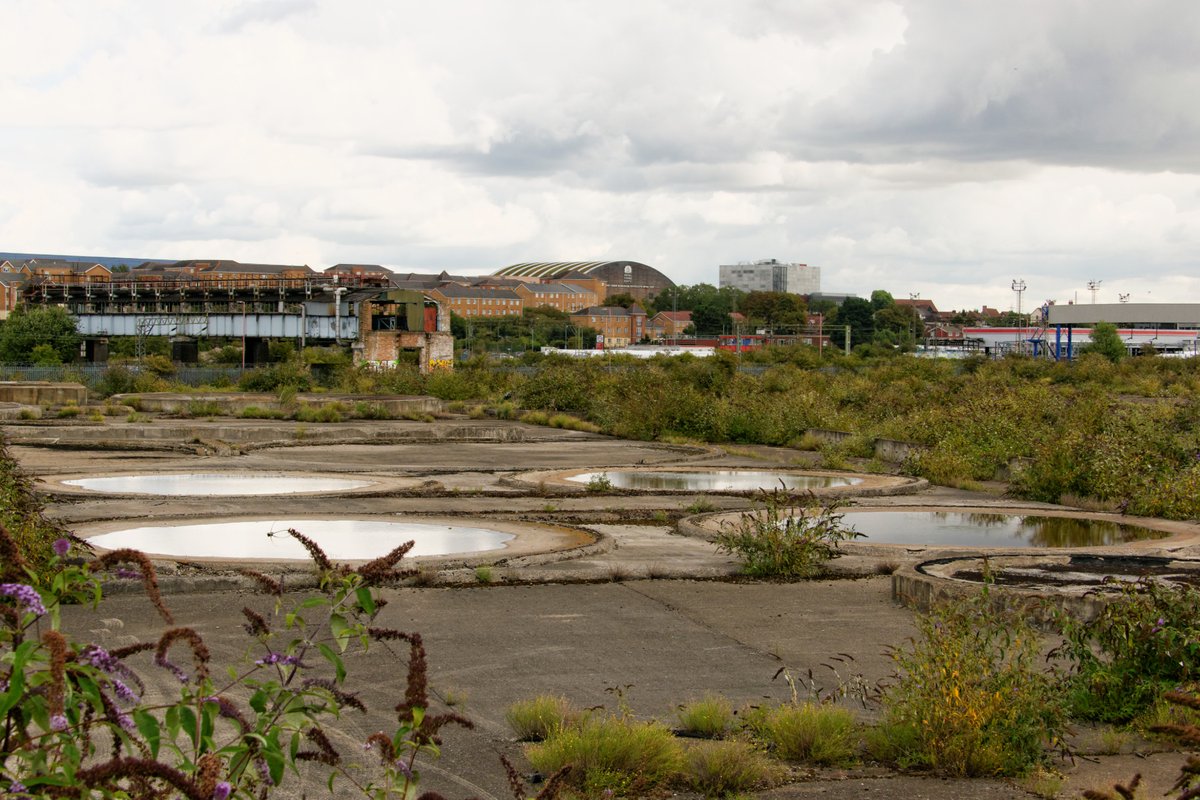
(222,790)
(62,546)
(174,669)
(279,658)
(126,722)
(26,596)
(126,572)
(124,693)
(98,657)
(58,722)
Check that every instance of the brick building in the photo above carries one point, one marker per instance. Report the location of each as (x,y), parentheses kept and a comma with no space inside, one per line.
(619,326)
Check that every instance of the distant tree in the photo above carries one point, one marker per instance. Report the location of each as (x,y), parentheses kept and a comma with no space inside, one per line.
(30,326)
(774,308)
(859,315)
(827,308)
(709,318)
(1105,341)
(623,299)
(902,324)
(881,299)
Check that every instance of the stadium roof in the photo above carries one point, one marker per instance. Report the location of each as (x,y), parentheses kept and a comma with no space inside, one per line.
(552,269)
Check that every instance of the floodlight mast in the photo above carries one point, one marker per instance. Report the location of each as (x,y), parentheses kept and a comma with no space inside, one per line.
(1093,287)
(1018,286)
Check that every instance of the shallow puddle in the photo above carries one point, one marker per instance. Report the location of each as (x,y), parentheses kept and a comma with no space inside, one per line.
(962,529)
(216,484)
(341,539)
(729,480)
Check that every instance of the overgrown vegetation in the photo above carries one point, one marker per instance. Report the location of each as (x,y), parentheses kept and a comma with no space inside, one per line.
(786,536)
(970,696)
(1143,643)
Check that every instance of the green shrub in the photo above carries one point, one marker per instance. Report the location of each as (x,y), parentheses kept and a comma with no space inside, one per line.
(599,482)
(1144,641)
(534,720)
(787,536)
(327,412)
(709,718)
(258,412)
(204,408)
(484,574)
(611,754)
(969,697)
(371,411)
(809,732)
(724,769)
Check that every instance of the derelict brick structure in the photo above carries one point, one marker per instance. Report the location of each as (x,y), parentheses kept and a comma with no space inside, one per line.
(617,277)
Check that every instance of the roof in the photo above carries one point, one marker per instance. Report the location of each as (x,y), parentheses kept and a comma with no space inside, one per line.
(373,268)
(675,316)
(552,288)
(455,290)
(554,269)
(610,311)
(222,265)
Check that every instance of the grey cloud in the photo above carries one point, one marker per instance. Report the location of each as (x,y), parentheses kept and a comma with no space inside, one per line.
(524,153)
(1098,83)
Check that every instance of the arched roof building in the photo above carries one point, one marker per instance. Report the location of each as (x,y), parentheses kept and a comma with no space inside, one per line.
(632,277)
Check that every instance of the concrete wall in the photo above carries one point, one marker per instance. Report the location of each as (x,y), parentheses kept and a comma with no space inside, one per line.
(42,393)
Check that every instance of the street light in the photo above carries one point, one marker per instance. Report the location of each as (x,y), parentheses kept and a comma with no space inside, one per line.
(1018,286)
(1093,287)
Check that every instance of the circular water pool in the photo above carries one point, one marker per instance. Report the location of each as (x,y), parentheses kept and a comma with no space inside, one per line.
(341,539)
(723,480)
(217,484)
(981,529)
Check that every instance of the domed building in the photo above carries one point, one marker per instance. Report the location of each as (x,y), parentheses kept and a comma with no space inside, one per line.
(606,277)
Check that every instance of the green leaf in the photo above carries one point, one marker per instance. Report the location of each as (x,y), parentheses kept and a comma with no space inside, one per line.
(333,658)
(187,720)
(147,726)
(341,630)
(313,602)
(16,682)
(365,600)
(258,701)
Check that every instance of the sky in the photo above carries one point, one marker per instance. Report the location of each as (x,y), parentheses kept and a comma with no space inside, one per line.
(939,148)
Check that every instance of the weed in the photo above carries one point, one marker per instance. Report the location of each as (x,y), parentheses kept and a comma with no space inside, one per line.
(1144,641)
(808,732)
(506,410)
(456,407)
(478,412)
(725,769)
(426,576)
(326,413)
(886,567)
(203,408)
(28,413)
(708,718)
(549,508)
(535,418)
(619,574)
(534,720)
(660,517)
(599,483)
(483,574)
(615,755)
(134,416)
(454,697)
(371,411)
(69,412)
(969,697)
(1113,741)
(777,541)
(96,416)
(1043,783)
(300,432)
(701,505)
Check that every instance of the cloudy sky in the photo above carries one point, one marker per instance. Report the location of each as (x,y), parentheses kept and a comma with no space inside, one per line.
(939,147)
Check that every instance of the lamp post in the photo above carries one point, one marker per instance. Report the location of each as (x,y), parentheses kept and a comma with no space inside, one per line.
(1018,286)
